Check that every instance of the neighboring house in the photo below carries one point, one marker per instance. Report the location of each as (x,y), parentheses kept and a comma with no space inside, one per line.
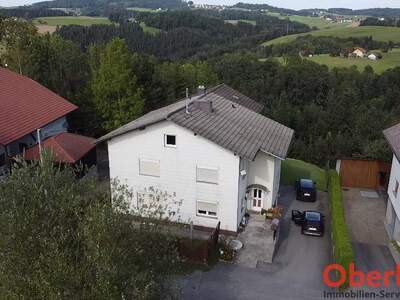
(373,56)
(66,148)
(392,222)
(359,52)
(215,152)
(26,106)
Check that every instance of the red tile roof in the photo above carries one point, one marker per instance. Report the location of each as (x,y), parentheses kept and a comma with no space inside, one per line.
(66,147)
(25,106)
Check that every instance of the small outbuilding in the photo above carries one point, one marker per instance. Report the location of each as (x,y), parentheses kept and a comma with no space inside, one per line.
(363,173)
(67,148)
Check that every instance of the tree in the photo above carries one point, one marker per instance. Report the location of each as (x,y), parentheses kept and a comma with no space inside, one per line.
(15,37)
(62,238)
(117,95)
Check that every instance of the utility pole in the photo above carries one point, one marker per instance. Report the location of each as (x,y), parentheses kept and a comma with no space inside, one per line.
(40,145)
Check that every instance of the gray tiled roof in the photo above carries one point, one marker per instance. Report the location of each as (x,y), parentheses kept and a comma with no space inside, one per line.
(234,124)
(392,135)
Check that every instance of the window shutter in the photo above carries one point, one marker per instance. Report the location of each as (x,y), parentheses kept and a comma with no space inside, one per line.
(149,167)
(207,174)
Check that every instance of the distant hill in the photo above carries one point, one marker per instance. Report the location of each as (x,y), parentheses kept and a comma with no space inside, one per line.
(373,12)
(154,4)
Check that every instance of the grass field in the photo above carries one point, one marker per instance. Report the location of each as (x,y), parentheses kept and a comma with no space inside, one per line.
(59,21)
(293,169)
(318,22)
(149,29)
(389,60)
(234,22)
(142,9)
(49,24)
(379,33)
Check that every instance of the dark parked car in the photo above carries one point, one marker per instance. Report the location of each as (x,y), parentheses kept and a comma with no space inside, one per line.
(311,222)
(305,190)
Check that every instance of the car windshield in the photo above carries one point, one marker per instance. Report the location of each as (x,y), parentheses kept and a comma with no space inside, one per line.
(313,216)
(306,183)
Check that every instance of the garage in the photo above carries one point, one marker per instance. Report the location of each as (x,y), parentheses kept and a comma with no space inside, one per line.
(359,173)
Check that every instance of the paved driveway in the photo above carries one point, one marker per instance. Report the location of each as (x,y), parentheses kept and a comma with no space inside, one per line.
(365,218)
(296,272)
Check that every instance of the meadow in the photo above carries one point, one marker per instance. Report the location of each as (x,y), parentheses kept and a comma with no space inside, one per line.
(49,24)
(389,60)
(73,20)
(317,22)
(379,33)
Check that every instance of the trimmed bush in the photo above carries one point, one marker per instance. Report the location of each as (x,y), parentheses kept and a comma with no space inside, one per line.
(343,250)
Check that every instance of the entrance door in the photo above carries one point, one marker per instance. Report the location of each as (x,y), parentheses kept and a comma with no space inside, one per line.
(257,200)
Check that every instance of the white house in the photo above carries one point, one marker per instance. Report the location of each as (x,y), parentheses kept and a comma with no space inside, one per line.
(373,56)
(359,52)
(392,221)
(215,152)
(26,106)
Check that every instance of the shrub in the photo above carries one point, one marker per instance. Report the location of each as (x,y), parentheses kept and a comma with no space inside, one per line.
(343,250)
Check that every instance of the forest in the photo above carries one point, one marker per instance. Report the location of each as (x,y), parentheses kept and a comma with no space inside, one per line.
(184,34)
(117,73)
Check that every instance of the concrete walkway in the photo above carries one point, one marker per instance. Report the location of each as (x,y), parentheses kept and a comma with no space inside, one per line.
(258,243)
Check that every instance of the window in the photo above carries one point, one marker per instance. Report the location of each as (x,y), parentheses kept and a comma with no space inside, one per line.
(149,167)
(396,188)
(207,209)
(169,140)
(207,174)
(2,159)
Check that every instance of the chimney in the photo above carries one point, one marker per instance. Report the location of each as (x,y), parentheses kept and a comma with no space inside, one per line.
(201,90)
(187,101)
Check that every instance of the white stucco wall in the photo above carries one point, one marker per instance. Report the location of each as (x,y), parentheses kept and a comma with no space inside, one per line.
(265,171)
(394,175)
(59,125)
(395,200)
(178,170)
(243,184)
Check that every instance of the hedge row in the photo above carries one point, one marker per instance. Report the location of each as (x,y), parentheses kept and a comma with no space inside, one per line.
(343,250)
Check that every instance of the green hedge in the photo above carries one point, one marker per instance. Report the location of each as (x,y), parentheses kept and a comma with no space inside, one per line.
(344,254)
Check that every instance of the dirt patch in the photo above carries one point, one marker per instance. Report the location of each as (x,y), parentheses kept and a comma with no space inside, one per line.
(43,29)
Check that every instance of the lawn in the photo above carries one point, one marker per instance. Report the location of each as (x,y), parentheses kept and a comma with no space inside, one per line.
(379,33)
(293,169)
(389,60)
(82,20)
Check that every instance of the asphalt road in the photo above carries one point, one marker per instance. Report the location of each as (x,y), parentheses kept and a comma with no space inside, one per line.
(296,272)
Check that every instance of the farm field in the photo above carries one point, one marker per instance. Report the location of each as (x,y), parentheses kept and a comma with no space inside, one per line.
(389,60)
(142,9)
(318,22)
(149,29)
(379,33)
(234,22)
(49,24)
(81,20)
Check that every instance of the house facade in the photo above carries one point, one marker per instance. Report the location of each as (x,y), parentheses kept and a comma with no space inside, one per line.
(359,52)
(26,106)
(392,221)
(215,153)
